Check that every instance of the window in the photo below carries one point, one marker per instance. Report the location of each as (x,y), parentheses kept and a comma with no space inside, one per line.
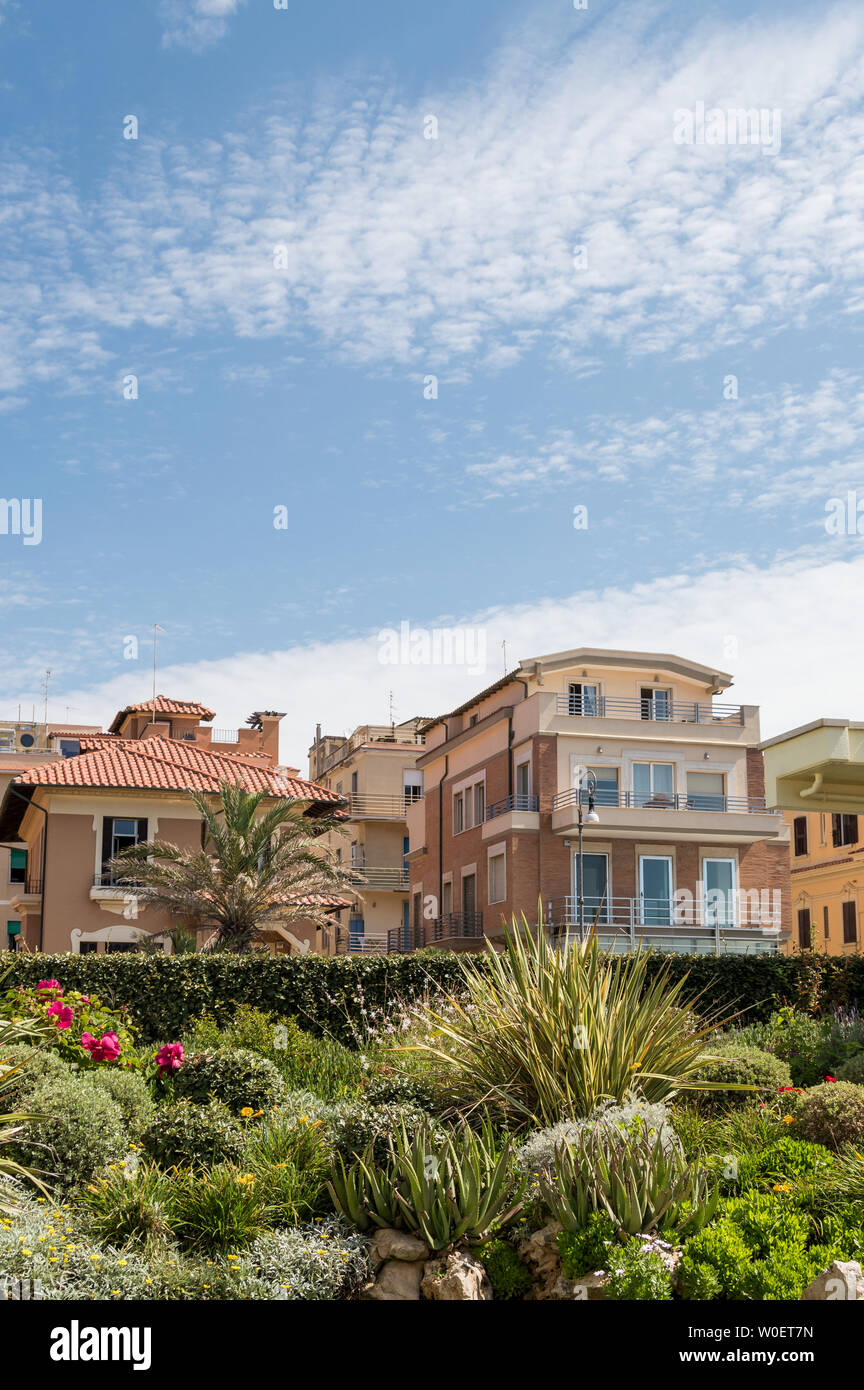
(799,831)
(458,814)
(805,940)
(479,803)
(583,698)
(718,886)
(607,785)
(822,837)
(523,781)
(447,897)
(497,877)
(17,865)
(119,833)
(412,784)
(655,887)
(656,702)
(844,829)
(826,929)
(416,913)
(653,784)
(850,923)
(13,931)
(705,791)
(70,747)
(355,782)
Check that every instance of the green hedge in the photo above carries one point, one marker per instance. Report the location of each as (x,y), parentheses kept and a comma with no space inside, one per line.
(330,995)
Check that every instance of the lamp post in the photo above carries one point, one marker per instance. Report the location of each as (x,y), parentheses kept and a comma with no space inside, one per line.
(590,781)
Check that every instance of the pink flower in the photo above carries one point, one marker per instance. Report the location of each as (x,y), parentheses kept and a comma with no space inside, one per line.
(63,1015)
(104,1049)
(85,998)
(49,987)
(170,1057)
(831,1078)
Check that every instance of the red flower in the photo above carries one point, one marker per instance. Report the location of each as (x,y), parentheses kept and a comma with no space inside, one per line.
(104,1049)
(170,1057)
(831,1078)
(63,1015)
(49,987)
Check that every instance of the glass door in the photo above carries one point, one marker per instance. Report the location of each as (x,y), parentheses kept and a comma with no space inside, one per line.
(596,873)
(583,698)
(655,889)
(718,887)
(653,784)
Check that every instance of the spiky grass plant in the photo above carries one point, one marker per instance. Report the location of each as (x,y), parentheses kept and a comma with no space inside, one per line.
(550,1032)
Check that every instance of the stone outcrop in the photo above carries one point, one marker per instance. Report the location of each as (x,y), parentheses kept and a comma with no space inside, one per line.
(841,1281)
(398,1260)
(456,1278)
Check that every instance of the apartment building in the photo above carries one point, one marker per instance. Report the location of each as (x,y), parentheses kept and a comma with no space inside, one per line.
(827,855)
(375,770)
(678,848)
(75,805)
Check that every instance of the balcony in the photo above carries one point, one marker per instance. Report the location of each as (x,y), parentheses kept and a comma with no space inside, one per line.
(371,806)
(392,877)
(454,930)
(678,816)
(366,735)
(738,926)
(520,801)
(26,894)
(110,894)
(651,711)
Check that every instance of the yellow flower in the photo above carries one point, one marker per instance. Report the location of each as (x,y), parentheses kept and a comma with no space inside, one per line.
(247,1111)
(782,1187)
(26,1252)
(788,1119)
(122,1262)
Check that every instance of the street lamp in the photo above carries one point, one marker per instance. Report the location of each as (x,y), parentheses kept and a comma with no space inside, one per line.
(592,818)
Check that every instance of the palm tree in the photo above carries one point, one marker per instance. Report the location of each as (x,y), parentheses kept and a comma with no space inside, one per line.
(253,866)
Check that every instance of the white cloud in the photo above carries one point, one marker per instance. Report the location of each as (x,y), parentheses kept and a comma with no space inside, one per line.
(402,252)
(779,631)
(196,24)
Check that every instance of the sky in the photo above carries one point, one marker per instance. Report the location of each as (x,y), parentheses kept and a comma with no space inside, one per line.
(318,321)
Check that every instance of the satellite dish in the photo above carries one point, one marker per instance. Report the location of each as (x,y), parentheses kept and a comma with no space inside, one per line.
(27,740)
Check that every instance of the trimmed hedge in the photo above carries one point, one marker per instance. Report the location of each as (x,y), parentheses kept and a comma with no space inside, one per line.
(340,995)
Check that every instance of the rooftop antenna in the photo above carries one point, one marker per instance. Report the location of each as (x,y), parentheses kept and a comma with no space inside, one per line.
(47,679)
(504,647)
(392,711)
(156,628)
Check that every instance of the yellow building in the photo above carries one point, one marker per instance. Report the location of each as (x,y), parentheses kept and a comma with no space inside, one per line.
(827,881)
(375,770)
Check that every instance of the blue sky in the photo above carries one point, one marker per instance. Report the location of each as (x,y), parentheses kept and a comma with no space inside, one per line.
(597,378)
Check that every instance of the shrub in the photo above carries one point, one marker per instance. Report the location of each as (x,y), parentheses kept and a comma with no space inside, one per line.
(853,1069)
(636,1272)
(129,1090)
(183,1133)
(400,1088)
(714,1263)
(793,1036)
(443,1188)
(325,1260)
(552,1033)
(354,1128)
(71,1018)
(123,1205)
(237,1077)
(36,1064)
(586,1249)
(292,1160)
(507,1274)
(831,1114)
(740,1065)
(82,1130)
(218,1210)
(784,1162)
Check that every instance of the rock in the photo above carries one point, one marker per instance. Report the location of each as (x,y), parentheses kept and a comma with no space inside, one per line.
(398,1282)
(389,1244)
(539,1251)
(842,1280)
(457,1279)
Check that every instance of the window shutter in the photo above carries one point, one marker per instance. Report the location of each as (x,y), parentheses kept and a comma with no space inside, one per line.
(804,929)
(142,831)
(853,830)
(850,925)
(107,832)
(835,829)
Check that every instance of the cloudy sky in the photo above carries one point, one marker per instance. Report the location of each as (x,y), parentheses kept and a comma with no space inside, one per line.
(319,320)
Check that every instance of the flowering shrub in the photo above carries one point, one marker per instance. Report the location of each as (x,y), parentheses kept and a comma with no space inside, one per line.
(735,1064)
(325,1260)
(84,1031)
(629,1117)
(237,1077)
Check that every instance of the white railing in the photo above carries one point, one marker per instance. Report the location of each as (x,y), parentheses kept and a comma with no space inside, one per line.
(378,807)
(742,922)
(369,734)
(224,736)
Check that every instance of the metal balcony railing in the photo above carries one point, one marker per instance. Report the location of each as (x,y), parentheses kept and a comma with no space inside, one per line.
(369,734)
(665,712)
(666,801)
(734,923)
(519,801)
(224,736)
(453,926)
(372,806)
(392,876)
(108,880)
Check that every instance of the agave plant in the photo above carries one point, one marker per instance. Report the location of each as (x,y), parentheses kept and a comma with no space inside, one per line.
(548,1033)
(639,1181)
(442,1189)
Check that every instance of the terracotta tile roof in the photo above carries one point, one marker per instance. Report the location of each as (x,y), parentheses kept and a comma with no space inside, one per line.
(73,730)
(166,764)
(163,706)
(323,900)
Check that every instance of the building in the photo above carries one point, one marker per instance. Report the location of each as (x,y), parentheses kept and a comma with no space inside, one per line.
(683,852)
(827,881)
(375,769)
(63,818)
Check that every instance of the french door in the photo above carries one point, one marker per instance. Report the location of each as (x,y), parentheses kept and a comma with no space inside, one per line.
(655,889)
(719,895)
(596,879)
